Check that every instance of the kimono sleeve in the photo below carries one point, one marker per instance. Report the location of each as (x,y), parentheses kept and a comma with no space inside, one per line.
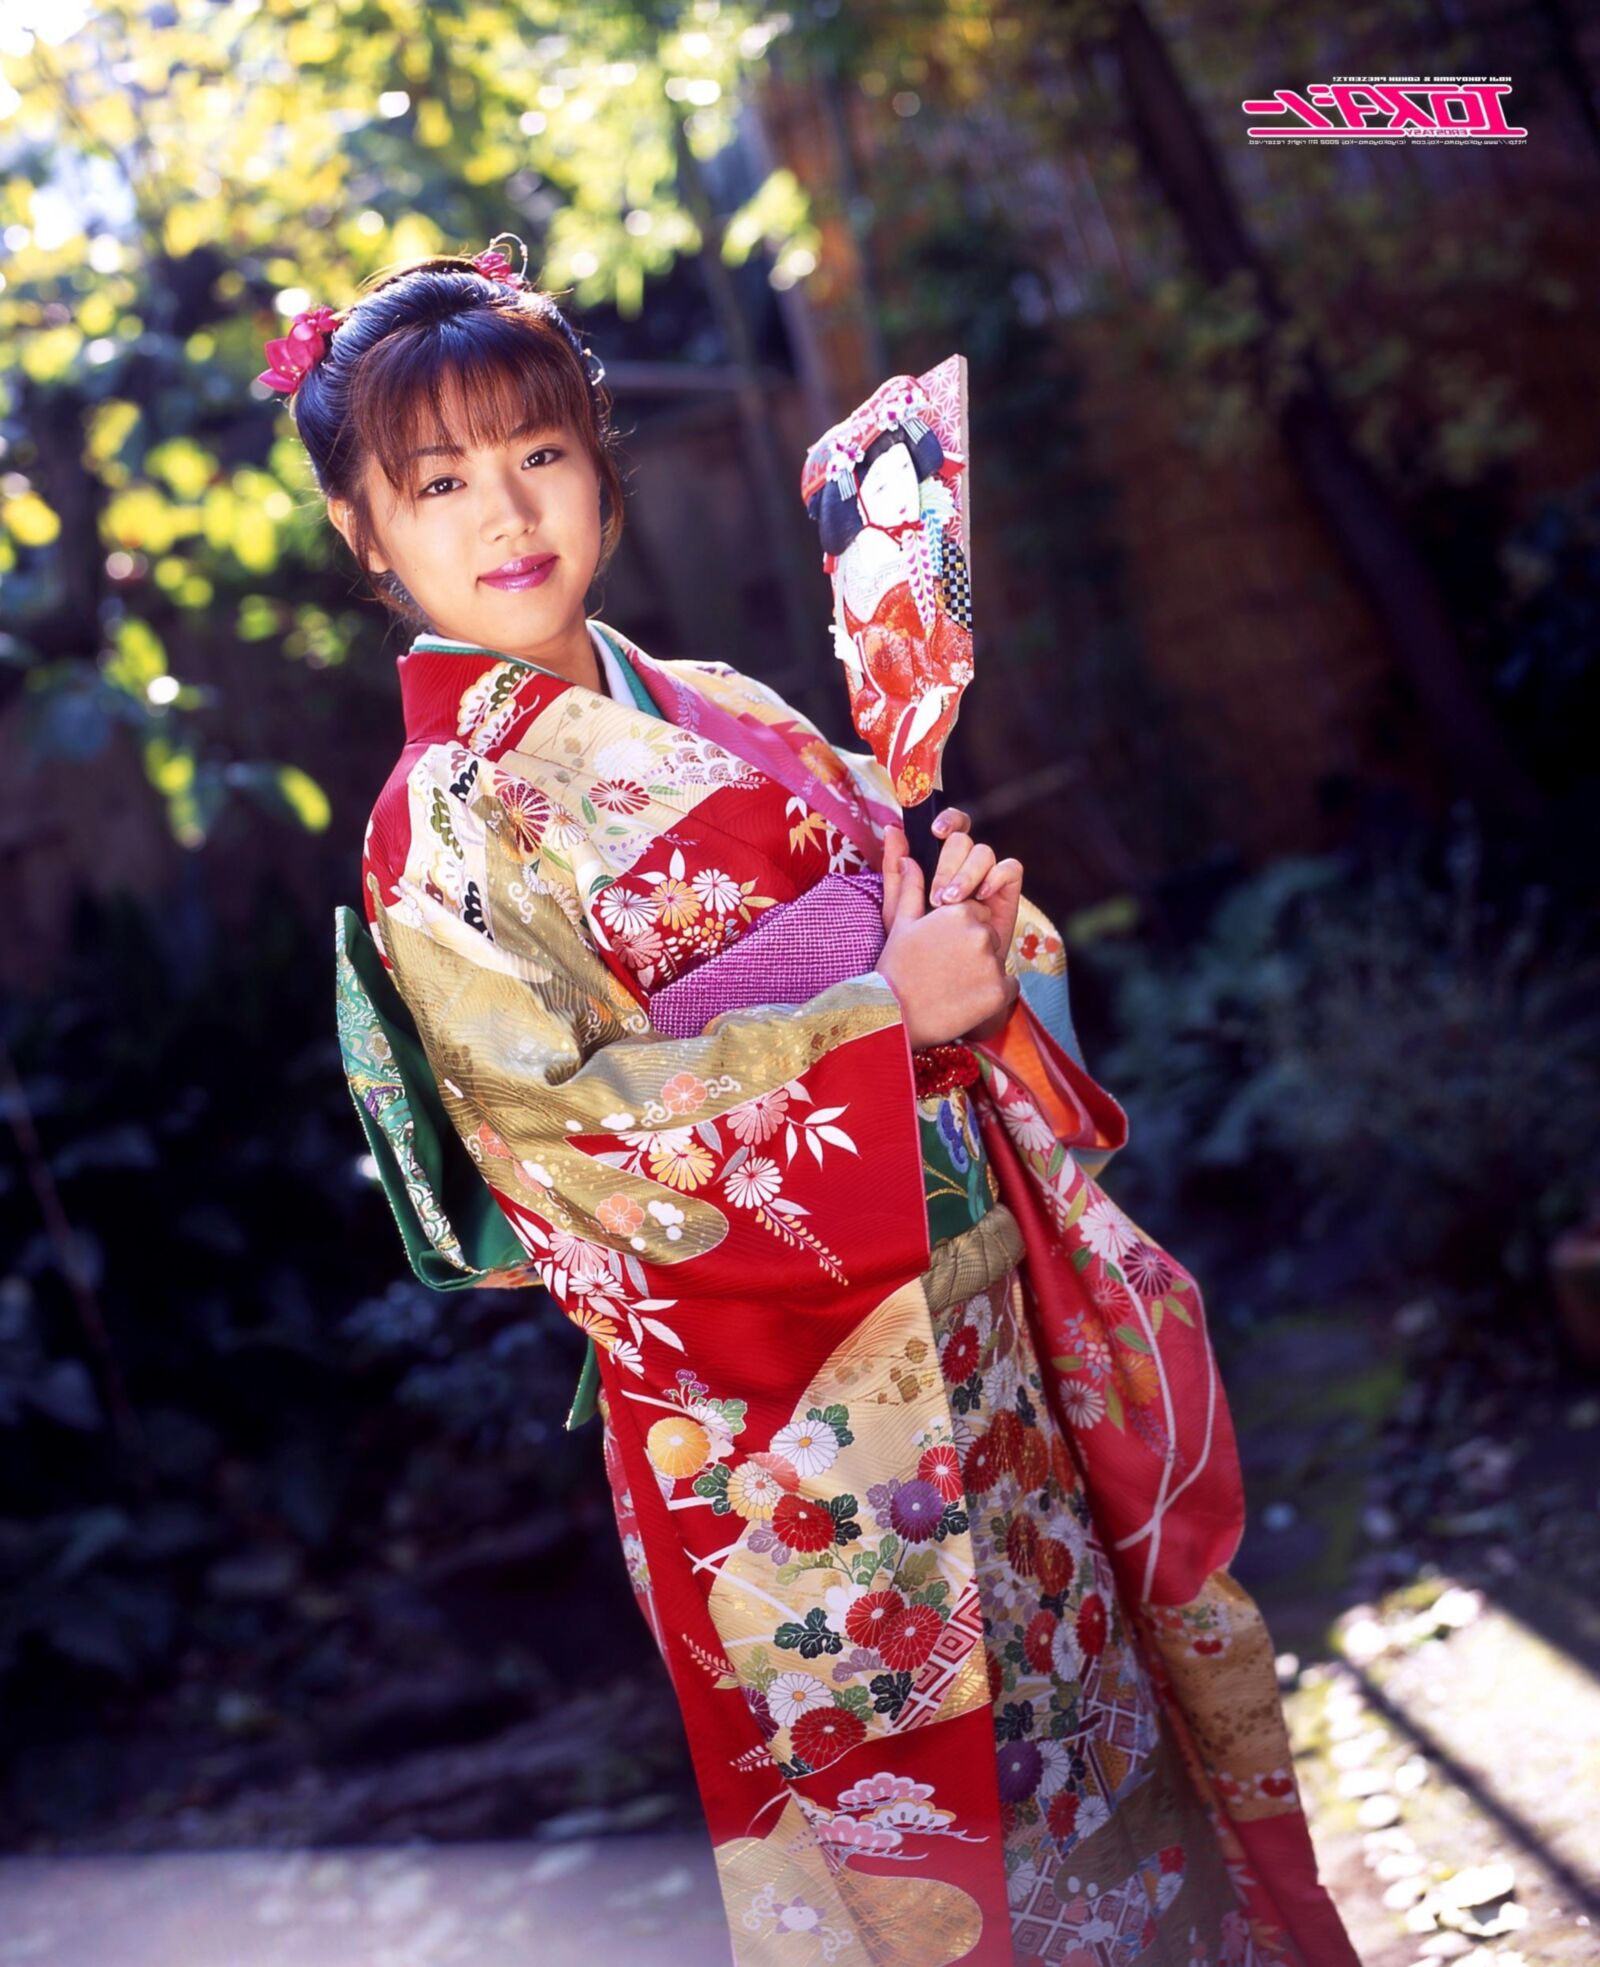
(780,1147)
(1039,1046)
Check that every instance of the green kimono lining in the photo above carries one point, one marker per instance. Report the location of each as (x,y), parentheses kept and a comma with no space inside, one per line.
(454,1232)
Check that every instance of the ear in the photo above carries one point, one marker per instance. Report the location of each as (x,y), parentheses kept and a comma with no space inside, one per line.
(341,515)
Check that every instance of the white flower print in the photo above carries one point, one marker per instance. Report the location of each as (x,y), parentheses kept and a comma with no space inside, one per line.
(1066,1655)
(755,1492)
(811,1445)
(625,758)
(753,1121)
(1019,1887)
(1030,1129)
(1093,1811)
(715,1423)
(838,1599)
(629,911)
(1107,1230)
(794,1694)
(719,892)
(1001,1381)
(1066,1529)
(1057,1765)
(753,1183)
(1083,1405)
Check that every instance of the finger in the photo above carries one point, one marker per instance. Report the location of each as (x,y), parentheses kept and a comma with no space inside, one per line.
(952,856)
(965,880)
(895,846)
(951,819)
(1004,874)
(908,897)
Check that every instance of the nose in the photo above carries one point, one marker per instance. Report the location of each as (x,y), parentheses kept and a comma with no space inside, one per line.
(511,505)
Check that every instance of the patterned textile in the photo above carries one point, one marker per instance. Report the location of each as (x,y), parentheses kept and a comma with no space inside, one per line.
(833,931)
(929,1516)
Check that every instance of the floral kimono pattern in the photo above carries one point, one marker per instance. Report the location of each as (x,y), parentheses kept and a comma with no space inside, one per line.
(921,1465)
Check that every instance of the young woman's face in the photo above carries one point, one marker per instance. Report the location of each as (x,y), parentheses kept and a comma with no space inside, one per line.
(497,544)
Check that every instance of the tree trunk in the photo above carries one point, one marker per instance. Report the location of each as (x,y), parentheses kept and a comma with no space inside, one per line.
(777,477)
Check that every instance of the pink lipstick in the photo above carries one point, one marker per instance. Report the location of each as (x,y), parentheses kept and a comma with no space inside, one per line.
(529,571)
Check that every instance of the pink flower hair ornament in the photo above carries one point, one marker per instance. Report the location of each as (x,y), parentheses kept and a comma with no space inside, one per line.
(294,355)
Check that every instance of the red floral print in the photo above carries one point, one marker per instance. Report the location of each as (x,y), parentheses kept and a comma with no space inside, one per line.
(802,1524)
(866,1619)
(905,1639)
(826,1732)
(1036,1641)
(1055,1565)
(1022,1546)
(960,1356)
(942,1467)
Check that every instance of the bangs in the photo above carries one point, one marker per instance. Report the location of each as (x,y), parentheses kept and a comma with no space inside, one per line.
(475,379)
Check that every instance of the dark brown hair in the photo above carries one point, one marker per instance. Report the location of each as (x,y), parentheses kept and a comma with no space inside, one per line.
(434,330)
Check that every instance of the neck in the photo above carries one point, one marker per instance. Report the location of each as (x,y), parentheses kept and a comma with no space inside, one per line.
(571,654)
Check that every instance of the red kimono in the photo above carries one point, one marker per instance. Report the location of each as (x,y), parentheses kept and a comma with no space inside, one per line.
(923,1472)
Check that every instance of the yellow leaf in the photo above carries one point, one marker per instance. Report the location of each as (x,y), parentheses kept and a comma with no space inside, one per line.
(29,521)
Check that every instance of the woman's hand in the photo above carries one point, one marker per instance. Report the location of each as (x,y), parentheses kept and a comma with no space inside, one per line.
(948,967)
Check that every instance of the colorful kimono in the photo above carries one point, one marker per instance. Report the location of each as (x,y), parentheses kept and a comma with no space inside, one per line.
(923,1473)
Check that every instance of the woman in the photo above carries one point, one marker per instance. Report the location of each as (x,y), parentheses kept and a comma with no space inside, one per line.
(923,1474)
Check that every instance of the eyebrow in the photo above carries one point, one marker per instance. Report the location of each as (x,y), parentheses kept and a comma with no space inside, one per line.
(455,450)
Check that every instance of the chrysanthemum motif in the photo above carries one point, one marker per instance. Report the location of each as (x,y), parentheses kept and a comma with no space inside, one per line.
(528,811)
(628,911)
(620,796)
(916,1510)
(1083,1405)
(753,1121)
(1106,1229)
(680,1159)
(907,1637)
(754,1492)
(823,1734)
(941,1466)
(811,1446)
(793,1694)
(1066,1654)
(1030,1129)
(718,891)
(753,1183)
(677,901)
(641,950)
(677,1445)
(870,1616)
(1148,1269)
(802,1524)
(1019,1770)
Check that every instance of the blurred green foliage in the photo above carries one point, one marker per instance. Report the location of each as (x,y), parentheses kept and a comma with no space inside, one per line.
(177,179)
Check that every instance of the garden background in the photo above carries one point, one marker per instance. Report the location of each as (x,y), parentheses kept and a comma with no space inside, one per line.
(1286,581)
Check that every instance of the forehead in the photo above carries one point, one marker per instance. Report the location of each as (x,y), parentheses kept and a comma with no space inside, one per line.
(417,408)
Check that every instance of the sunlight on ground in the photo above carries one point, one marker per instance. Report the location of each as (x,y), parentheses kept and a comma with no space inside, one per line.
(649,1900)
(1449,1758)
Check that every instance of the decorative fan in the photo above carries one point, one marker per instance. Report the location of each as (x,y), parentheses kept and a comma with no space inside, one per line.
(888,488)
